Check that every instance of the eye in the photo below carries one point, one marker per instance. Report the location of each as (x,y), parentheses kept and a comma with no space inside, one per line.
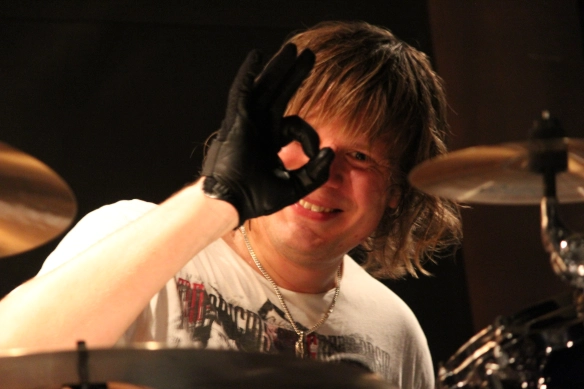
(361,160)
(359,156)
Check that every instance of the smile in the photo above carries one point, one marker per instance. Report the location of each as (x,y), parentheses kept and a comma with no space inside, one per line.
(314,208)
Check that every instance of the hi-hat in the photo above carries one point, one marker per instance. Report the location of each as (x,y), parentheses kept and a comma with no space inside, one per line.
(165,368)
(499,174)
(36,204)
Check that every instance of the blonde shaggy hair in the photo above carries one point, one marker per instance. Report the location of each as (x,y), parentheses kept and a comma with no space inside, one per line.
(379,85)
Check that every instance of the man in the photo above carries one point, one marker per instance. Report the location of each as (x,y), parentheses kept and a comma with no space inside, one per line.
(255,251)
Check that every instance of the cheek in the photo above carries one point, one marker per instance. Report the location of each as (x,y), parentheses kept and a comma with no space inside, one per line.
(371,193)
(292,156)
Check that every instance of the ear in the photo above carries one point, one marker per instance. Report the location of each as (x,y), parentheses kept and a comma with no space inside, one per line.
(394,197)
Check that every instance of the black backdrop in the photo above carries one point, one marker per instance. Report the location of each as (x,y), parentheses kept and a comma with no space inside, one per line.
(118,97)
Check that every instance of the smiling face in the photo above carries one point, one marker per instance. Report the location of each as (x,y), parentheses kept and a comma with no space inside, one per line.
(344,211)
(378,87)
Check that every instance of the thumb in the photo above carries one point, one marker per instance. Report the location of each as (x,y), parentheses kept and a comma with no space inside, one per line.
(316,171)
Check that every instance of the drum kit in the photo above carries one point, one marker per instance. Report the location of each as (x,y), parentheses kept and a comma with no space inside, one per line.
(539,347)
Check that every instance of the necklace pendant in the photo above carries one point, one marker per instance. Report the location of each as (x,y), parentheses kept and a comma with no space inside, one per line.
(300,345)
(301,342)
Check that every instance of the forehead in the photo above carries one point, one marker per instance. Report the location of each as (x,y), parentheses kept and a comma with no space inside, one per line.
(350,134)
(352,131)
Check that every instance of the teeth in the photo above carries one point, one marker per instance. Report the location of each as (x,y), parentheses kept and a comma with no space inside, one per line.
(314,208)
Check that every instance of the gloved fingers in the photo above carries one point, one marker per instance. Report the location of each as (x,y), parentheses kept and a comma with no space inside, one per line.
(293,79)
(316,171)
(273,74)
(294,128)
(240,89)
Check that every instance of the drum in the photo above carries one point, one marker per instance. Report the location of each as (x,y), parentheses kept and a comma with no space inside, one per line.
(540,347)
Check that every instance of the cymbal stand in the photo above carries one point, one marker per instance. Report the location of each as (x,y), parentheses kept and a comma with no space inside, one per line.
(83,370)
(566,248)
(548,158)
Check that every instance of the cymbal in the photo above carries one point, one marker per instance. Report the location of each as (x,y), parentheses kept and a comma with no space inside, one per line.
(499,174)
(172,368)
(35,203)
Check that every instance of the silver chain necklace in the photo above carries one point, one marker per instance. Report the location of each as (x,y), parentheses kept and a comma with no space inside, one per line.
(301,334)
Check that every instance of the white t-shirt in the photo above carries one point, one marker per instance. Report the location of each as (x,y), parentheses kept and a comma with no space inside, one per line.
(218,301)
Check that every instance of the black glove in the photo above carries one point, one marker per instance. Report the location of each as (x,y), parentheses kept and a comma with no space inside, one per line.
(242,166)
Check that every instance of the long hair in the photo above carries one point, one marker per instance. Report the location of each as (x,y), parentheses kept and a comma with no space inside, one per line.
(378,85)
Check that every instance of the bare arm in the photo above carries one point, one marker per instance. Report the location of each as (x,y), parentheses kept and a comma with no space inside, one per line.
(96,296)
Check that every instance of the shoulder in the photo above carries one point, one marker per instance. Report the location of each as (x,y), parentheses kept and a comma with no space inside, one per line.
(390,322)
(113,215)
(382,302)
(366,296)
(123,209)
(109,218)
(93,227)
(368,291)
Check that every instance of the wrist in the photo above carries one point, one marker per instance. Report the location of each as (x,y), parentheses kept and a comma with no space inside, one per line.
(218,200)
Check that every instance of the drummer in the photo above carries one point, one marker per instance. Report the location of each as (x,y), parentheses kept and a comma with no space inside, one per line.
(253,255)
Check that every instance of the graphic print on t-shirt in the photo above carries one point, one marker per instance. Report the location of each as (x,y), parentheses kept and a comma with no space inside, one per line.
(206,316)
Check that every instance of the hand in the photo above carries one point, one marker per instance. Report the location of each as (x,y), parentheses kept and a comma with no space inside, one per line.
(242,165)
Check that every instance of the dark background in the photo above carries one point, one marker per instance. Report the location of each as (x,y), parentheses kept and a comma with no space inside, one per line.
(118,97)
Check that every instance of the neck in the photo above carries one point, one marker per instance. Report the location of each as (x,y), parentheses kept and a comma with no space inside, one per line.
(298,273)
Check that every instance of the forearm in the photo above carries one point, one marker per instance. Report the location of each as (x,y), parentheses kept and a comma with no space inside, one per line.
(96,296)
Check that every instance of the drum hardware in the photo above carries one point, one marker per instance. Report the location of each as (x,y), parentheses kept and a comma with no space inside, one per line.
(514,351)
(36,204)
(548,157)
(83,370)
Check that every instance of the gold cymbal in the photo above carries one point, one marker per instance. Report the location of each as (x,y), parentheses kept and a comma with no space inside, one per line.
(36,204)
(168,368)
(499,174)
